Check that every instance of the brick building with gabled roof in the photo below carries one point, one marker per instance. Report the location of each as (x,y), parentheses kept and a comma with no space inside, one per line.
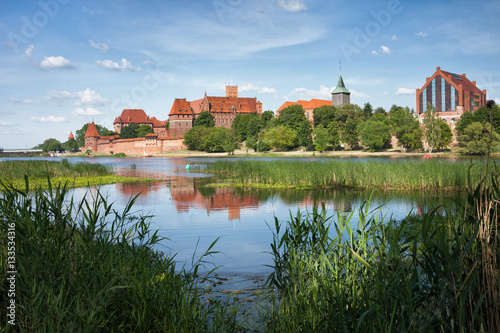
(139,117)
(450,94)
(224,109)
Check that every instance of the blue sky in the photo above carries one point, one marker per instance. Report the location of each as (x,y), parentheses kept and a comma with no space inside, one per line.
(68,62)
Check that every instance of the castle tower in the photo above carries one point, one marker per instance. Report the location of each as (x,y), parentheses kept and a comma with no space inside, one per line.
(181,117)
(232,91)
(91,137)
(340,95)
(71,137)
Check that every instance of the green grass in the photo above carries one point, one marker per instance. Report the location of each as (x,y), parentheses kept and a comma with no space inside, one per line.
(440,275)
(72,174)
(281,174)
(85,267)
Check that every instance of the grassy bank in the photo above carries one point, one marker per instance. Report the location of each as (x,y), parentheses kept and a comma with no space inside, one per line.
(72,174)
(427,175)
(441,274)
(84,267)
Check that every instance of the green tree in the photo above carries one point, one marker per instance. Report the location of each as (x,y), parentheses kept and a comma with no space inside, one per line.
(195,138)
(266,117)
(52,145)
(350,133)
(129,132)
(204,119)
(294,118)
(106,132)
(143,130)
(432,128)
(324,115)
(367,110)
(334,134)
(321,138)
(71,145)
(246,125)
(379,110)
(280,137)
(482,115)
(374,134)
(446,136)
(406,128)
(477,138)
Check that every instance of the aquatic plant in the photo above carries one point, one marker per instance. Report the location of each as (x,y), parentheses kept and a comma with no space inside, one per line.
(85,267)
(443,276)
(395,175)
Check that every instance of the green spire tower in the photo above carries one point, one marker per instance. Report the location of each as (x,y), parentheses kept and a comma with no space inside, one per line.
(341,95)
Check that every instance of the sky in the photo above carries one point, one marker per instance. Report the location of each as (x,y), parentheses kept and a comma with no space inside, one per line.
(65,63)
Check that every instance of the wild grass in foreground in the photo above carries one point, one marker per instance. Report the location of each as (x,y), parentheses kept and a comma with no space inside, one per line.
(379,276)
(85,267)
(72,174)
(427,175)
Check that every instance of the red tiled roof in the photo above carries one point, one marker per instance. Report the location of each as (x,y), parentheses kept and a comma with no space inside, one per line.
(180,107)
(91,131)
(71,136)
(196,105)
(468,86)
(158,123)
(132,116)
(226,104)
(151,135)
(312,104)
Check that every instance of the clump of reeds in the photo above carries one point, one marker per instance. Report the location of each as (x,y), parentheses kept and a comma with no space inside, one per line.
(85,267)
(377,276)
(18,169)
(428,175)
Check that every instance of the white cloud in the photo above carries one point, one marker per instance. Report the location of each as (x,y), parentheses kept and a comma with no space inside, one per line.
(125,65)
(292,5)
(56,63)
(357,94)
(99,46)
(421,34)
(92,12)
(394,37)
(147,62)
(497,101)
(303,93)
(261,90)
(7,123)
(29,50)
(405,91)
(49,119)
(385,49)
(24,101)
(85,97)
(374,52)
(79,112)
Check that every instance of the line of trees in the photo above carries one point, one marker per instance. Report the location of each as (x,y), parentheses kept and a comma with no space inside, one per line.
(347,125)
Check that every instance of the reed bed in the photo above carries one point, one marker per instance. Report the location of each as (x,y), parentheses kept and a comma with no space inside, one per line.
(428,175)
(72,174)
(85,267)
(441,275)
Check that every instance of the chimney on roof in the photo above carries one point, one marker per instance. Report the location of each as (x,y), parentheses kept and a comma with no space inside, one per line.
(438,68)
(463,75)
(474,82)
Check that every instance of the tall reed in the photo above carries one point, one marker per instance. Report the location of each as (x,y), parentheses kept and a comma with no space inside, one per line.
(85,267)
(379,276)
(428,175)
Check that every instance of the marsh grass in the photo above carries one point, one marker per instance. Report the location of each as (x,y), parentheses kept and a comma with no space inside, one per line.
(442,276)
(85,267)
(428,175)
(72,174)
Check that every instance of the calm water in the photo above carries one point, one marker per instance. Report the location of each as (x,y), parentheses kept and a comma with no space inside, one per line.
(192,217)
